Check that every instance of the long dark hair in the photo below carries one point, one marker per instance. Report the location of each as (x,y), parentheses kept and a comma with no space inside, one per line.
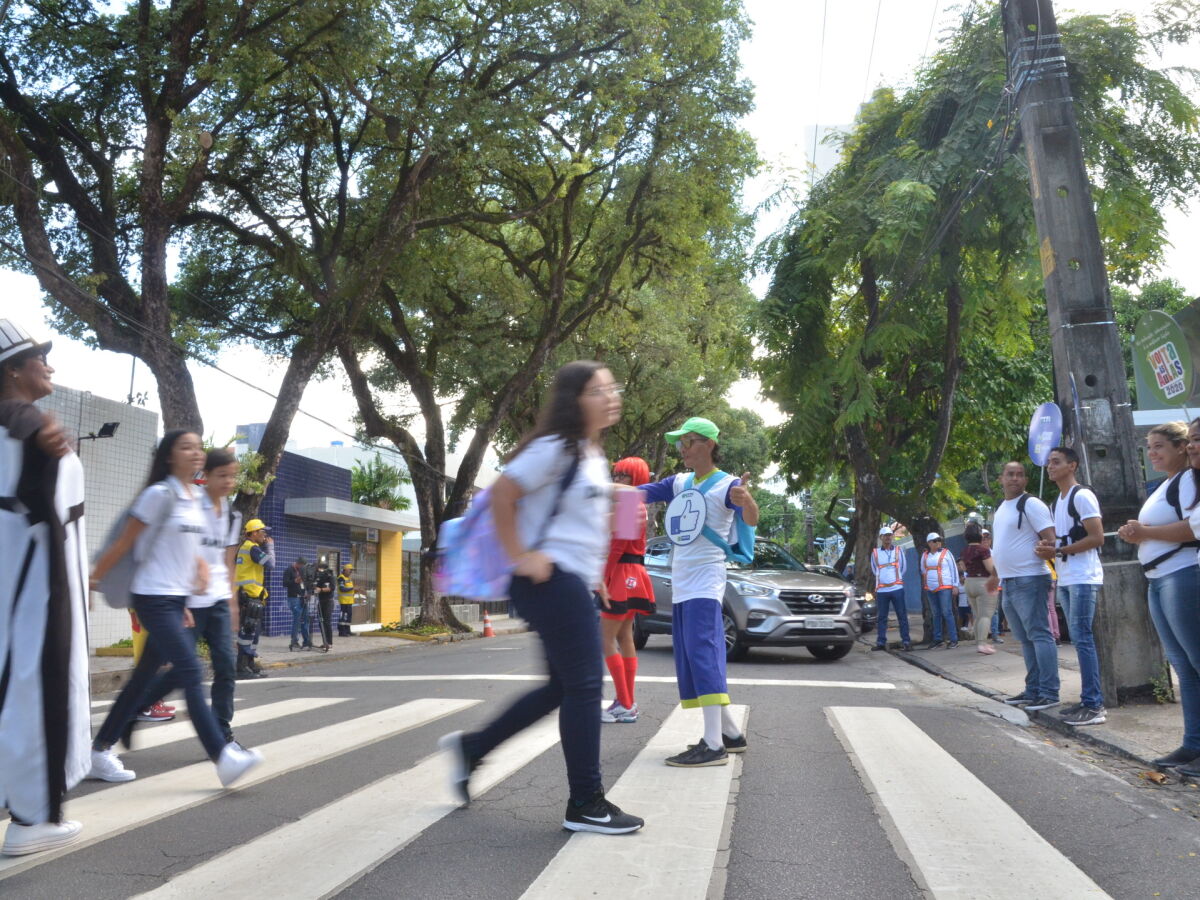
(973,533)
(160,466)
(1195,472)
(560,415)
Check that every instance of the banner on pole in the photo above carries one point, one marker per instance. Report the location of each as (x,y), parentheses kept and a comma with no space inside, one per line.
(1045,432)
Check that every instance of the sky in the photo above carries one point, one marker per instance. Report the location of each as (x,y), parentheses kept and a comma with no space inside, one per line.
(811,62)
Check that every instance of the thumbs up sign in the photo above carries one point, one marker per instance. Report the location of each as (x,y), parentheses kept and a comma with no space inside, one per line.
(740,494)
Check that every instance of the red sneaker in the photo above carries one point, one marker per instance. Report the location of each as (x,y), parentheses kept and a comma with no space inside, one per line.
(155,713)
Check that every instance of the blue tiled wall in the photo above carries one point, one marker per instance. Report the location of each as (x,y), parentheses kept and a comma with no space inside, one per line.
(299,476)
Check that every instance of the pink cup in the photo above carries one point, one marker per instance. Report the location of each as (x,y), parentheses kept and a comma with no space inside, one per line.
(627,517)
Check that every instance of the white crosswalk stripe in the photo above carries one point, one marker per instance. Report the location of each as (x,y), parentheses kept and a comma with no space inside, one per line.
(642,679)
(962,843)
(108,813)
(383,817)
(169,733)
(673,855)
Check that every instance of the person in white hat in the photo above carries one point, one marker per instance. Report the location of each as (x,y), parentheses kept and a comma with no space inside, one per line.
(45,727)
(888,566)
(939,573)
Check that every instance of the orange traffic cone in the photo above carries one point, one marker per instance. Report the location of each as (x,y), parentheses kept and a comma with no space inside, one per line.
(487,625)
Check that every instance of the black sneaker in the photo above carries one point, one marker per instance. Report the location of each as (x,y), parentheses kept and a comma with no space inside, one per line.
(1040,703)
(1018,700)
(1191,770)
(906,646)
(734,744)
(462,764)
(952,645)
(936,645)
(1087,715)
(1070,710)
(601,816)
(878,647)
(698,756)
(1181,757)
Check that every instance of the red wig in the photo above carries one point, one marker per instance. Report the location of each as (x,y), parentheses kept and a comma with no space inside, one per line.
(635,467)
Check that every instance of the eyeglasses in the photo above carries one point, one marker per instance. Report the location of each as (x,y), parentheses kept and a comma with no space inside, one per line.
(684,443)
(615,389)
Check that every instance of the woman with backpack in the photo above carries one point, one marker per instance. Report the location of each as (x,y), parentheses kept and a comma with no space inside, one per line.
(1164,537)
(629,594)
(45,706)
(164,530)
(551,509)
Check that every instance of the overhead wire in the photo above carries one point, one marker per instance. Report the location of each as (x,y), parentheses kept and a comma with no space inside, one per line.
(871,54)
(817,103)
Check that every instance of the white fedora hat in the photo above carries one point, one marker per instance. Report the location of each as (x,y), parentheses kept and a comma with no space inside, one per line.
(14,340)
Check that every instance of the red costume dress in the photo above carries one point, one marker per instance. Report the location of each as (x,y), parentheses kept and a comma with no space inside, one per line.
(629,589)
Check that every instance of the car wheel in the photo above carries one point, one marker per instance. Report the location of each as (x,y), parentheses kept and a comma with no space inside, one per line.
(830,651)
(639,634)
(735,649)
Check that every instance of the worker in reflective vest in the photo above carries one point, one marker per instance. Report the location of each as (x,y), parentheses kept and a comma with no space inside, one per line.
(888,567)
(253,557)
(939,572)
(345,599)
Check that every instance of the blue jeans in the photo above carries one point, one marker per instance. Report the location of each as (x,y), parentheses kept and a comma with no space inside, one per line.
(894,600)
(942,608)
(213,623)
(563,613)
(1029,619)
(1079,604)
(168,642)
(1175,609)
(298,607)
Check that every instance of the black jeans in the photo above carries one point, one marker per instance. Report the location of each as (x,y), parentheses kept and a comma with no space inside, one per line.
(563,613)
(168,643)
(325,617)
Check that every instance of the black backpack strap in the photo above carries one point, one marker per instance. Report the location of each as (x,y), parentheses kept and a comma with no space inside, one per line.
(1173,493)
(1021,501)
(563,484)
(1172,496)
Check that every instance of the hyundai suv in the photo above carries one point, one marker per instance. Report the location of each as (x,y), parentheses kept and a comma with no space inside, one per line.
(774,601)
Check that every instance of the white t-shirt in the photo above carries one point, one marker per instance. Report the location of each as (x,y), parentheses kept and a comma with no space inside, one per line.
(1157,511)
(1012,547)
(1077,568)
(167,554)
(578,538)
(698,569)
(222,531)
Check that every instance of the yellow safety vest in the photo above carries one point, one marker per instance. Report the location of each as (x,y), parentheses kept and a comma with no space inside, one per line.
(248,575)
(345,590)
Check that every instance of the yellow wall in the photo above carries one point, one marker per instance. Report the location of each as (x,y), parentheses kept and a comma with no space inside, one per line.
(391,588)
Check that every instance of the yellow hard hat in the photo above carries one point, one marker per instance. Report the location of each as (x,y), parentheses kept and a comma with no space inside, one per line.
(255,525)
(347,566)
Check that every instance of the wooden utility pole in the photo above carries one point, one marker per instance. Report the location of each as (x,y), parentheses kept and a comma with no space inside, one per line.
(1089,366)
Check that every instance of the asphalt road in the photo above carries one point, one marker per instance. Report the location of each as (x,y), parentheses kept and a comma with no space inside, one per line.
(815,809)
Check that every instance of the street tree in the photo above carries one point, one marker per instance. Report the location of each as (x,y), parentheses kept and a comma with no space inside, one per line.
(904,287)
(376,483)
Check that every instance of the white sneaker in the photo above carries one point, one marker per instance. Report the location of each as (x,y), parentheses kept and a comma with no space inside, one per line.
(106,766)
(235,761)
(614,713)
(20,840)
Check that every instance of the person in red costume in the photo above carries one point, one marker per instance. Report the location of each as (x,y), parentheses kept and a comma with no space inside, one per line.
(630,594)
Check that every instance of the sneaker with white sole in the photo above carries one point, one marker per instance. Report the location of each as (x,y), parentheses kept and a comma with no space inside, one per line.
(107,766)
(1041,703)
(615,713)
(155,713)
(21,840)
(235,761)
(1087,715)
(462,764)
(698,756)
(600,816)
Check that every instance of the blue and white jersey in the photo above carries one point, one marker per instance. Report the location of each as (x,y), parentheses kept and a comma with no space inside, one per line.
(697,565)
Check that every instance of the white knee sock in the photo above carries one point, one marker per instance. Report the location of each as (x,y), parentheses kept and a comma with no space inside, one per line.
(728,726)
(712,727)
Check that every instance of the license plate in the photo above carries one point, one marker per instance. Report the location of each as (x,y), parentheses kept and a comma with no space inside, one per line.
(819,622)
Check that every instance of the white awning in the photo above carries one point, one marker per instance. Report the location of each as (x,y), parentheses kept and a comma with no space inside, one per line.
(344,512)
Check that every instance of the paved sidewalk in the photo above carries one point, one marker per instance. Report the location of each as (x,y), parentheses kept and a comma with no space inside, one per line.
(109,673)
(1140,731)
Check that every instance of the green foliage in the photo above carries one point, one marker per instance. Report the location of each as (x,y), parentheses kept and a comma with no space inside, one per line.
(378,484)
(906,324)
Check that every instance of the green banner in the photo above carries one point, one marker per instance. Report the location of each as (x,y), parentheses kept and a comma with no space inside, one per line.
(1162,358)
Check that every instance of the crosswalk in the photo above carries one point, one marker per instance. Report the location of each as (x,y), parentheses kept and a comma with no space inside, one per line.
(677,855)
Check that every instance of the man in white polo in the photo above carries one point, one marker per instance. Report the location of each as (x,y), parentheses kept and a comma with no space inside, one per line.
(888,567)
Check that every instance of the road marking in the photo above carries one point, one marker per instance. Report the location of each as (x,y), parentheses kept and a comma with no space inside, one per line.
(641,679)
(377,821)
(109,813)
(958,838)
(99,717)
(674,855)
(145,738)
(101,704)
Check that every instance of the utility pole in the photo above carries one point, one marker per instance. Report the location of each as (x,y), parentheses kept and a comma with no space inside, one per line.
(810,549)
(1089,366)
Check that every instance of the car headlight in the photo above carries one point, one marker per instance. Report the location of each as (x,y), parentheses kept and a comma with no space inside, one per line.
(750,589)
(849,591)
(756,617)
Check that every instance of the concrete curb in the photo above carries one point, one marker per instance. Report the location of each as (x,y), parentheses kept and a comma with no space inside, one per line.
(1095,735)
(114,680)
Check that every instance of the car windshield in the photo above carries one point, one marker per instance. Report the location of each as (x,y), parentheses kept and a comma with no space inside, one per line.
(770,556)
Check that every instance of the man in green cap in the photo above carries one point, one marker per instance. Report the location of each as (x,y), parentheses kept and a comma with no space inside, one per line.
(710,519)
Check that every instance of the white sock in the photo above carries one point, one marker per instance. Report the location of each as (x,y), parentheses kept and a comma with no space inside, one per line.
(712,727)
(728,726)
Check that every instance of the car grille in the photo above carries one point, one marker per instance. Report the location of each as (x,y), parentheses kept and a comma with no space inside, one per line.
(799,602)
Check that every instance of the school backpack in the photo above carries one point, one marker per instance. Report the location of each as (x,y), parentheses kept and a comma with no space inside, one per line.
(470,561)
(1172,497)
(116,586)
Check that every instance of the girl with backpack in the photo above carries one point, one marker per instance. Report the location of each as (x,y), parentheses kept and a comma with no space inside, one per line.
(629,594)
(164,531)
(1166,549)
(551,509)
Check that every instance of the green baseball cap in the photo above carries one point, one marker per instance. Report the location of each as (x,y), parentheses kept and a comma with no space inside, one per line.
(702,427)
